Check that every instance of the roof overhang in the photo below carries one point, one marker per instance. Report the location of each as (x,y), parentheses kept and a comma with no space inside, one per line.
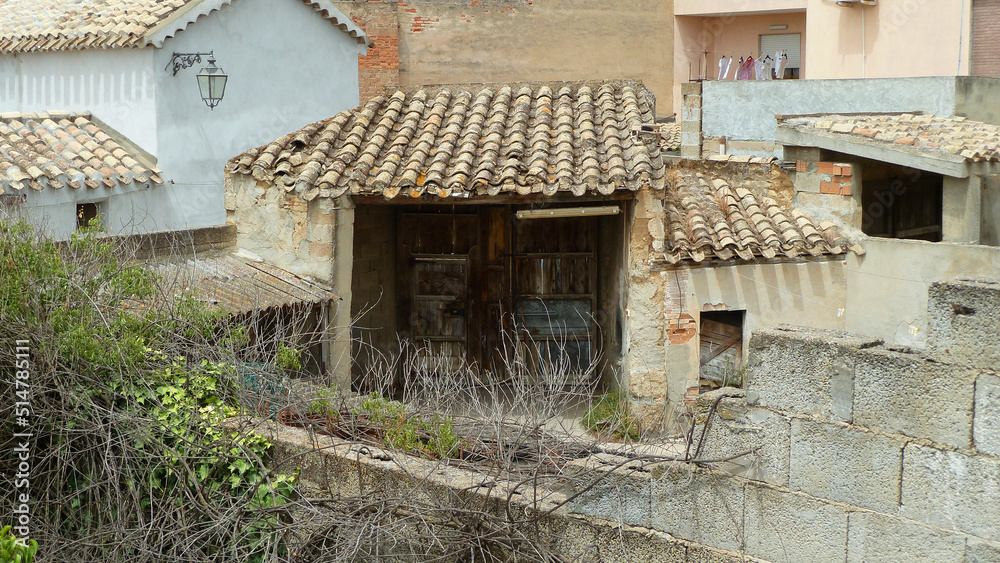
(186,15)
(948,165)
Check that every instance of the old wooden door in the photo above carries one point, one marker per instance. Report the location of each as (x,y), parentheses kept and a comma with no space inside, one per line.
(436,271)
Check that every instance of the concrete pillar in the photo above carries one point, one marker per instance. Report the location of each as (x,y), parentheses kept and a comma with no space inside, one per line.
(961,209)
(340,314)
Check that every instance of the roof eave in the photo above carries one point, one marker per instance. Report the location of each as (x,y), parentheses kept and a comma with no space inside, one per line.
(935,162)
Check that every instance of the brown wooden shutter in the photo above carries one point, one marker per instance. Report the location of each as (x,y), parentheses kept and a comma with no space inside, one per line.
(986,38)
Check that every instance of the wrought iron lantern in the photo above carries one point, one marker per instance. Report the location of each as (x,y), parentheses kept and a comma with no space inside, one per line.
(211,80)
(212,83)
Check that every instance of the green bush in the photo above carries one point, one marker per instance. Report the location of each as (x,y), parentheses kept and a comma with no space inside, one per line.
(611,415)
(14,550)
(410,433)
(129,389)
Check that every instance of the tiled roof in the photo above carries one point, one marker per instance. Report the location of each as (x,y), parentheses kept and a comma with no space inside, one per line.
(708,218)
(972,140)
(463,141)
(670,137)
(61,25)
(57,150)
(238,284)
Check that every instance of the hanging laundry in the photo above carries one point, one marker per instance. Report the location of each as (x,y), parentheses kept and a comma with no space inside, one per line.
(724,65)
(779,71)
(767,73)
(746,70)
(758,69)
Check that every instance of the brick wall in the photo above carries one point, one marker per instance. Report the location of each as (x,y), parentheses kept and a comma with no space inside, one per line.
(986,38)
(379,68)
(840,449)
(476,41)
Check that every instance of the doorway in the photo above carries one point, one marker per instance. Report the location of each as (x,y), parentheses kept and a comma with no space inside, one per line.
(474,286)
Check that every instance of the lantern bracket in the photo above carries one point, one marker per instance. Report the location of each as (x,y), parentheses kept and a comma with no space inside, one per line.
(180,61)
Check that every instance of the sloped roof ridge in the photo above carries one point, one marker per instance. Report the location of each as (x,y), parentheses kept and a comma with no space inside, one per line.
(57,149)
(707,215)
(63,25)
(471,139)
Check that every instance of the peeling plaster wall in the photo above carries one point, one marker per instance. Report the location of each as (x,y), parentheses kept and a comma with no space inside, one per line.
(306,238)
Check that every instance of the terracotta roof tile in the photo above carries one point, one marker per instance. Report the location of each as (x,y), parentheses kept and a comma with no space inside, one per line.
(709,218)
(670,137)
(62,25)
(972,140)
(33,154)
(448,141)
(238,284)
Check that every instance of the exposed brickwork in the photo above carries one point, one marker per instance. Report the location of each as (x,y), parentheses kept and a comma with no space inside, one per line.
(831,178)
(379,68)
(986,38)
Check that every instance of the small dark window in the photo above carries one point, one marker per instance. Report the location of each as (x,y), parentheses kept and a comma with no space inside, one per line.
(85,212)
(721,349)
(902,203)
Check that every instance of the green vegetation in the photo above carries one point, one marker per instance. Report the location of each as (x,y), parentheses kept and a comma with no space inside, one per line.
(288,358)
(410,433)
(611,415)
(128,390)
(13,550)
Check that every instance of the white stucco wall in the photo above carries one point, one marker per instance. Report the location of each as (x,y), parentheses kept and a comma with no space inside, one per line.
(887,287)
(116,85)
(287,67)
(125,210)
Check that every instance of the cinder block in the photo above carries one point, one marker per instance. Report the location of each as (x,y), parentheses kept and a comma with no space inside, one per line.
(691,88)
(981,551)
(783,526)
(691,115)
(805,370)
(689,128)
(691,102)
(883,538)
(952,490)
(807,182)
(698,506)
(911,394)
(621,496)
(839,463)
(986,417)
(737,427)
(964,319)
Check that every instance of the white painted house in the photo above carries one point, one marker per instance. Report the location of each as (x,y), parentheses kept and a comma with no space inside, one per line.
(289,62)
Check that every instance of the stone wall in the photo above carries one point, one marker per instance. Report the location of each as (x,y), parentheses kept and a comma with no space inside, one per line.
(331,468)
(281,227)
(858,451)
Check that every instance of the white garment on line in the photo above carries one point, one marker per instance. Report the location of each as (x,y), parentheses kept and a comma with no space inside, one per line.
(779,71)
(758,69)
(768,70)
(724,65)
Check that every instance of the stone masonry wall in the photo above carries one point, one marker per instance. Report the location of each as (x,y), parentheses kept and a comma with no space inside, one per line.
(281,227)
(858,452)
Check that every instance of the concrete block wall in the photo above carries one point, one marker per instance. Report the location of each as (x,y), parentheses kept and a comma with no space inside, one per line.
(844,449)
(691,120)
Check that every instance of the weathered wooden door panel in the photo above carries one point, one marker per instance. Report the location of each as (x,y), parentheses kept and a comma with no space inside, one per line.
(435,270)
